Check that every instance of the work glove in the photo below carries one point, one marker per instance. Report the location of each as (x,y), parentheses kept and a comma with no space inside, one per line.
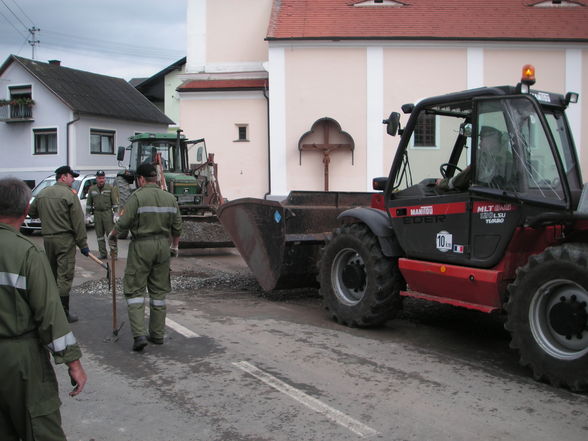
(115,218)
(174,252)
(85,251)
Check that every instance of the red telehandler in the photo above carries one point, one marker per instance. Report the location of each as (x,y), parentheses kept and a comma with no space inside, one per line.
(514,239)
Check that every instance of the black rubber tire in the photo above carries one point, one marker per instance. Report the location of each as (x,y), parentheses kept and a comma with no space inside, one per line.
(548,280)
(379,299)
(124,190)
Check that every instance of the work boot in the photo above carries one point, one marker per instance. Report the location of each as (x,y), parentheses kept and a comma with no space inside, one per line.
(71,318)
(155,340)
(139,343)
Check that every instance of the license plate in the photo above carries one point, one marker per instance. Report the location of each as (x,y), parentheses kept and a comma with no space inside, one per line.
(186,199)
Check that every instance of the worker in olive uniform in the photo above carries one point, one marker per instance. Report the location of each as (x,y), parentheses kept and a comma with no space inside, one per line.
(103,203)
(153,217)
(32,324)
(63,227)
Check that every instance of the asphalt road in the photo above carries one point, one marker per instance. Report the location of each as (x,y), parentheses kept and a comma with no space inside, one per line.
(241,365)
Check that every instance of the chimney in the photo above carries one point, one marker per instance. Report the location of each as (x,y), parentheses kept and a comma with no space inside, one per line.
(55,62)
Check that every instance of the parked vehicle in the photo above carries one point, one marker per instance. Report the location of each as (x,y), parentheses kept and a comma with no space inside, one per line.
(81,185)
(516,243)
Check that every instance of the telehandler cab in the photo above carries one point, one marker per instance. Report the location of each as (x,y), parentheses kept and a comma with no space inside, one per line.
(513,237)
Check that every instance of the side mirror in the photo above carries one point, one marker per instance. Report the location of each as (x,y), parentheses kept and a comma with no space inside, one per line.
(199,154)
(120,154)
(392,123)
(379,183)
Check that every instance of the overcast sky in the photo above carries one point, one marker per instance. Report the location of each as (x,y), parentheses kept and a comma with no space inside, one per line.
(121,38)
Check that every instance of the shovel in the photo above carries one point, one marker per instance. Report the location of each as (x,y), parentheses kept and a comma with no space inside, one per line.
(111,276)
(115,328)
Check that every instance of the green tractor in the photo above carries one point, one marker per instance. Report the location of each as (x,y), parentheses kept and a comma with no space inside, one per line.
(194,185)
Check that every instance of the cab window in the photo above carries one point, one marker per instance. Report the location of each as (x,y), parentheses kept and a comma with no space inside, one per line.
(533,171)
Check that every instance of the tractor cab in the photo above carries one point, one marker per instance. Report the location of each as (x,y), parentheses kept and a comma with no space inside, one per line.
(162,148)
(473,166)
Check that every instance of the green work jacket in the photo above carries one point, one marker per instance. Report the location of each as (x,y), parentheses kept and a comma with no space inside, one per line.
(102,199)
(149,212)
(29,299)
(60,212)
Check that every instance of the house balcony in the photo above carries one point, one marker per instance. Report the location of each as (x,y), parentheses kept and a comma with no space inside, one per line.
(16,113)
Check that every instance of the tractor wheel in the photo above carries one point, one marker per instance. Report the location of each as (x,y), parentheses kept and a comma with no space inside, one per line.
(548,315)
(124,189)
(359,285)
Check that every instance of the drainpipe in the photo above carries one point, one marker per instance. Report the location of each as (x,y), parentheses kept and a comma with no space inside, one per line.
(269,151)
(77,117)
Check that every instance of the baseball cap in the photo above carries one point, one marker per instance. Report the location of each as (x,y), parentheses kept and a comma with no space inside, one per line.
(146,170)
(65,169)
(100,173)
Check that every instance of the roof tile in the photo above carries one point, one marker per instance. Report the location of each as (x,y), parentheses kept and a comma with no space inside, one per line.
(93,94)
(515,20)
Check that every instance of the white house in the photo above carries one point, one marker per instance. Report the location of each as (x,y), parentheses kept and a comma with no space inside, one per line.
(51,115)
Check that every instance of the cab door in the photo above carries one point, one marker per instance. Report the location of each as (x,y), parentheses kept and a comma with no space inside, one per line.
(530,184)
(434,228)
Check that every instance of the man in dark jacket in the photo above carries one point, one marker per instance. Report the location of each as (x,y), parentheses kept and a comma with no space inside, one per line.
(32,324)
(63,227)
(153,217)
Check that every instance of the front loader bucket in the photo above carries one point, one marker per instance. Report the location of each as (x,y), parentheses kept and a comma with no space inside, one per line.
(280,241)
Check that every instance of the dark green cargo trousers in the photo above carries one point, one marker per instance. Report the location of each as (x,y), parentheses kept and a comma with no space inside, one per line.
(61,252)
(103,225)
(29,398)
(147,267)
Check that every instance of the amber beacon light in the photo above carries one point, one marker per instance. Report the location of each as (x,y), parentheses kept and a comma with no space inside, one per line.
(528,77)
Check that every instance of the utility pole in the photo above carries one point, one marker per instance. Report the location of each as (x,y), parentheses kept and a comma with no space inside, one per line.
(33,42)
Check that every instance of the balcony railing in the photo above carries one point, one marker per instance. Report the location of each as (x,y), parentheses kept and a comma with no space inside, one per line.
(16,112)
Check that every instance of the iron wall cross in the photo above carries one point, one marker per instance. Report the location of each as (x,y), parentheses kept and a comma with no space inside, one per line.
(325,147)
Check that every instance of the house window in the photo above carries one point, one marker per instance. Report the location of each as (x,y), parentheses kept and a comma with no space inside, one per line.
(424,132)
(45,141)
(242,132)
(102,141)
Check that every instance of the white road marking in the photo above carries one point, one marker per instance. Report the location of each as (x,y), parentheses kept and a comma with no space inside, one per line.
(180,329)
(176,326)
(310,402)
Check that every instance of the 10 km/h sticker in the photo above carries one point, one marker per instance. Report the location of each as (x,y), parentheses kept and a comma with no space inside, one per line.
(444,241)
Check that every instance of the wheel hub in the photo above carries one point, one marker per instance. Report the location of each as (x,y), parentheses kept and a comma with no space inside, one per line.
(569,317)
(353,276)
(349,276)
(558,315)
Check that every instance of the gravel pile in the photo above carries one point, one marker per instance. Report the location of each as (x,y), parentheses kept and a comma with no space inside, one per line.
(185,283)
(203,230)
